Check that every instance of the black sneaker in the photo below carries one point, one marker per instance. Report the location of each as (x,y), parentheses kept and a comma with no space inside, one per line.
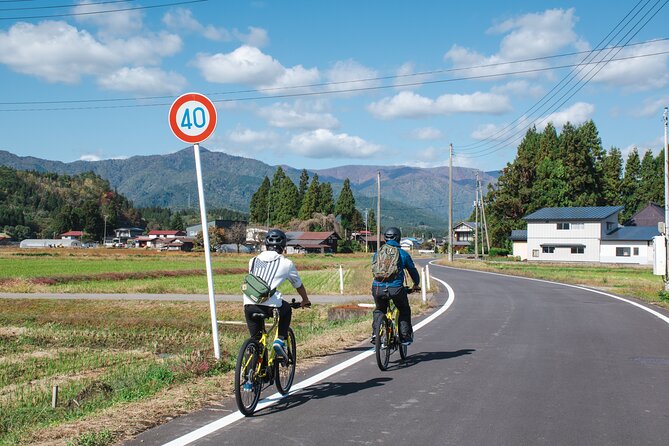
(408,340)
(373,340)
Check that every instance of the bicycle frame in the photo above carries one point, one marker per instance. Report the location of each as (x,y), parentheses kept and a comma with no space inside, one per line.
(271,354)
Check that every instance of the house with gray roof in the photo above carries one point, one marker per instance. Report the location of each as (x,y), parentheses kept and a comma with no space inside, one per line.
(583,234)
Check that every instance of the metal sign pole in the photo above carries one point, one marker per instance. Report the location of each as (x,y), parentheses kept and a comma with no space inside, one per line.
(207,254)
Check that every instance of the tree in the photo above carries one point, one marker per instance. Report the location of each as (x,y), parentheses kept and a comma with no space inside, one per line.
(326,203)
(311,199)
(258,206)
(304,184)
(651,189)
(630,185)
(177,222)
(345,207)
(371,221)
(286,203)
(612,171)
(216,238)
(236,235)
(274,192)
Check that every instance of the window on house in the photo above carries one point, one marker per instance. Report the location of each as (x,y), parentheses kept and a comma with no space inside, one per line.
(610,226)
(563,226)
(636,251)
(535,253)
(548,249)
(577,250)
(578,226)
(623,252)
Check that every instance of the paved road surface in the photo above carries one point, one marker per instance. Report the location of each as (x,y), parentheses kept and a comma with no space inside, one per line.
(511,362)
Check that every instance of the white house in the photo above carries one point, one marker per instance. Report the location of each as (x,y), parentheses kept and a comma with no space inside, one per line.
(583,234)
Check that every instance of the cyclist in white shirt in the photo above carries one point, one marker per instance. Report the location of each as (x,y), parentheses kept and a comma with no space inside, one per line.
(274,268)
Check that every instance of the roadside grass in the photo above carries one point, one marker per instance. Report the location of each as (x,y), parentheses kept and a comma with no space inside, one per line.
(633,281)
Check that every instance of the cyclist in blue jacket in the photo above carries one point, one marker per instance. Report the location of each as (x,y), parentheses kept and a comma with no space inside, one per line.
(394,289)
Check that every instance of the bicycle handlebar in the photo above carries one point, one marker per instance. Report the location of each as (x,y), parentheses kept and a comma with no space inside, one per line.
(412,289)
(294,304)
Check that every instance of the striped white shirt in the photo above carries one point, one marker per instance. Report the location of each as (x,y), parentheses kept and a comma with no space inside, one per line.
(273,268)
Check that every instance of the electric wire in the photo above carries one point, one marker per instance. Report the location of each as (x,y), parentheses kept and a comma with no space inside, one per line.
(26,8)
(74,14)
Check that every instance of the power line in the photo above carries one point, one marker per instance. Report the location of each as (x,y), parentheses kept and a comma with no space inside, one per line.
(328,84)
(64,6)
(288,95)
(108,11)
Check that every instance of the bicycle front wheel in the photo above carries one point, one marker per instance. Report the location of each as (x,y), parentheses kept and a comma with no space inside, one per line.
(382,347)
(247,384)
(285,368)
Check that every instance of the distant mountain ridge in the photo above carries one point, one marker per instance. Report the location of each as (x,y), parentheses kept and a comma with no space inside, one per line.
(410,195)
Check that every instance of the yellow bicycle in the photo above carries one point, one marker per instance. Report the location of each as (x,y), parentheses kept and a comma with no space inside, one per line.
(388,336)
(258,365)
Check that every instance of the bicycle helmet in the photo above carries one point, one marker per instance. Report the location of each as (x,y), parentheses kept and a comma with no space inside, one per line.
(275,238)
(393,233)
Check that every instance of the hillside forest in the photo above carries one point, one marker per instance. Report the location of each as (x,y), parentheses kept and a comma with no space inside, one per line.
(570,168)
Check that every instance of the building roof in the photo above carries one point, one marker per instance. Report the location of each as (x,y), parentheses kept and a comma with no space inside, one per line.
(651,215)
(312,246)
(166,232)
(72,234)
(632,234)
(519,235)
(470,224)
(592,213)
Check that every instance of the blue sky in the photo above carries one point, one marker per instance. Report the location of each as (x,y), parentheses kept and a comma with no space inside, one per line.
(317,84)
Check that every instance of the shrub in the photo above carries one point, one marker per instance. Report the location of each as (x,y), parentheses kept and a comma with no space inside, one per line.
(498,252)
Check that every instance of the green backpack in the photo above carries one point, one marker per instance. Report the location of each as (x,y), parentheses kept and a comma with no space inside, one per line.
(255,288)
(386,263)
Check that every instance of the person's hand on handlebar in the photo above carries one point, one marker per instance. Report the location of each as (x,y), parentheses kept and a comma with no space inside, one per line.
(415,288)
(306,303)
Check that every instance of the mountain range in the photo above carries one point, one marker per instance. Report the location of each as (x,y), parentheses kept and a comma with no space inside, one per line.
(411,196)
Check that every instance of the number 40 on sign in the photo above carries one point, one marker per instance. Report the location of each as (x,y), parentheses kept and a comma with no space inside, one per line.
(192,118)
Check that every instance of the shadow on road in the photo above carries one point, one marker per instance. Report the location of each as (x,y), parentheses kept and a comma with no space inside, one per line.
(323,390)
(430,356)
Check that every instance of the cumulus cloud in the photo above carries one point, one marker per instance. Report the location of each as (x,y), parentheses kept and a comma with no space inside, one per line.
(652,107)
(181,19)
(322,143)
(143,80)
(348,74)
(250,137)
(90,157)
(411,105)
(427,133)
(117,23)
(519,88)
(575,114)
(633,73)
(297,116)
(248,65)
(528,36)
(58,52)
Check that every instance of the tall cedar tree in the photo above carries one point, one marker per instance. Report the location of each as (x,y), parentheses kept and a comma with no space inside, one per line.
(311,199)
(302,188)
(326,204)
(630,185)
(345,207)
(371,221)
(612,173)
(286,206)
(652,184)
(258,206)
(274,192)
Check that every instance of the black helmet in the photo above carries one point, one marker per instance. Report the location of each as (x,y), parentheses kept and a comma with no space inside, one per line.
(393,233)
(275,238)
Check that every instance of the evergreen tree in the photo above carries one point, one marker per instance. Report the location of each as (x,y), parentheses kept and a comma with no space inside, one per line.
(630,185)
(357,221)
(177,223)
(274,192)
(591,156)
(304,184)
(326,203)
(258,206)
(612,171)
(345,207)
(371,221)
(651,183)
(286,205)
(551,185)
(311,199)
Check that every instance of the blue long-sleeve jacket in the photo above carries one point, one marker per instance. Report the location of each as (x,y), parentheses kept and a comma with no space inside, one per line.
(406,263)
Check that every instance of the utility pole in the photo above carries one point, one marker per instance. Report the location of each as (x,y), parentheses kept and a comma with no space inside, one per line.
(366,231)
(485,222)
(666,198)
(378,210)
(450,204)
(476,227)
(104,237)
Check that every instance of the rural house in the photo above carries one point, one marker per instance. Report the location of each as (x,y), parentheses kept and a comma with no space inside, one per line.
(72,235)
(583,234)
(463,235)
(311,242)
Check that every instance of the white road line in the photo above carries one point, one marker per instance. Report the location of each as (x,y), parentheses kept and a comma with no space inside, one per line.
(638,305)
(273,399)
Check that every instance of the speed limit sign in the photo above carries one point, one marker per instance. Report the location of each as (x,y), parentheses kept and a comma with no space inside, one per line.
(192,118)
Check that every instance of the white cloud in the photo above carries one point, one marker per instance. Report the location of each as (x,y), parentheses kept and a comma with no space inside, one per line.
(519,88)
(250,137)
(143,80)
(427,133)
(256,37)
(248,65)
(58,52)
(116,23)
(90,157)
(652,107)
(297,116)
(635,73)
(410,105)
(181,19)
(322,143)
(501,131)
(575,114)
(528,36)
(345,75)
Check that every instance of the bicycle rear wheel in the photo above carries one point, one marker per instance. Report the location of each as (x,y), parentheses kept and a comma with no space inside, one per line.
(382,347)
(247,384)
(285,368)
(403,349)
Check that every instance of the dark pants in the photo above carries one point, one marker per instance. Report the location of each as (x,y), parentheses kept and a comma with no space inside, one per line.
(256,326)
(381,296)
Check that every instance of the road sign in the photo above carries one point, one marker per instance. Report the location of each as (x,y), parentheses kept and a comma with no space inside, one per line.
(192,118)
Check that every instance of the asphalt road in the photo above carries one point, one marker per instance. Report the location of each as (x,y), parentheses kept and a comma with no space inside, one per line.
(511,362)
